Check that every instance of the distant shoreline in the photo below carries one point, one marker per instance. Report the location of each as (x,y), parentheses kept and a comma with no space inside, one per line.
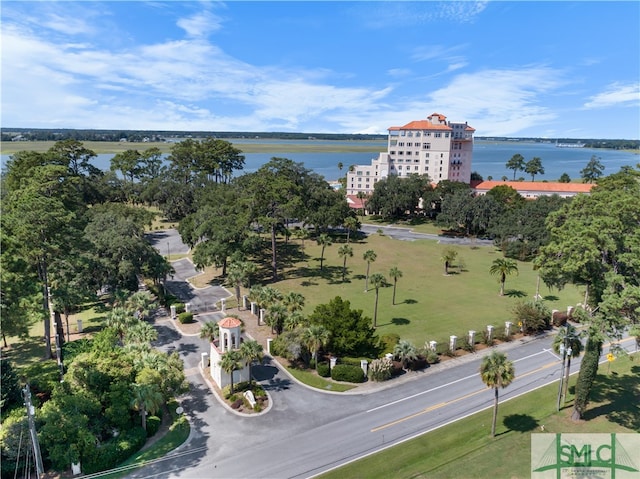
(333,146)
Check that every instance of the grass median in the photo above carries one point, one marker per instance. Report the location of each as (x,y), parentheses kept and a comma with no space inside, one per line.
(465,449)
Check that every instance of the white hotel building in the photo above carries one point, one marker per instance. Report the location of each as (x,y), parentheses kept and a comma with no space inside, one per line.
(434,147)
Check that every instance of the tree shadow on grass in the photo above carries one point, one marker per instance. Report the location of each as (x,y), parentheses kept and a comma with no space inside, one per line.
(550,297)
(400,321)
(520,422)
(515,293)
(618,399)
(410,301)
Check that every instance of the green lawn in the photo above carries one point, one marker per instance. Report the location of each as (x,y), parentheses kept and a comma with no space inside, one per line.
(466,449)
(429,305)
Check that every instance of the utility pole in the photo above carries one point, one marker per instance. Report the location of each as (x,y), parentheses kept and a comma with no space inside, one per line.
(32,430)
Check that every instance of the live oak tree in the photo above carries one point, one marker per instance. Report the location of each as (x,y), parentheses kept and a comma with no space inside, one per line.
(595,242)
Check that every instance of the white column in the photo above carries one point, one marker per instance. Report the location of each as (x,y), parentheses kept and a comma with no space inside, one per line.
(433,345)
(489,332)
(507,328)
(269,341)
(453,342)
(332,361)
(173,312)
(254,308)
(245,301)
(472,337)
(262,312)
(223,303)
(203,360)
(187,307)
(363,365)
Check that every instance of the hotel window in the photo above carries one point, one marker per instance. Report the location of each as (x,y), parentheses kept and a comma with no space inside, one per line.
(400,167)
(446,135)
(393,152)
(426,146)
(426,168)
(418,134)
(408,153)
(409,144)
(428,133)
(393,142)
(416,161)
(368,173)
(367,180)
(401,143)
(359,173)
(427,156)
(403,133)
(410,133)
(416,168)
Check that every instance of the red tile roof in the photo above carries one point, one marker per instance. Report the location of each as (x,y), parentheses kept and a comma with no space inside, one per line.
(549,186)
(355,202)
(229,323)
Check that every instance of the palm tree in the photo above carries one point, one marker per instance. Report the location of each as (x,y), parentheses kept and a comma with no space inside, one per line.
(276,316)
(141,333)
(340,165)
(534,167)
(369,256)
(351,223)
(140,303)
(301,234)
(230,362)
(345,251)
(502,267)
(293,301)
(236,275)
(323,240)
(315,337)
(361,195)
(448,257)
(496,372)
(377,281)
(146,399)
(395,274)
(294,320)
(120,320)
(209,331)
(516,163)
(251,351)
(568,338)
(405,352)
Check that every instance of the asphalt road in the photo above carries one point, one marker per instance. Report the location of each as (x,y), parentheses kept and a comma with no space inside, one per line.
(308,432)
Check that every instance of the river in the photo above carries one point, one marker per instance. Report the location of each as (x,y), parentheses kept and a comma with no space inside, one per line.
(489,158)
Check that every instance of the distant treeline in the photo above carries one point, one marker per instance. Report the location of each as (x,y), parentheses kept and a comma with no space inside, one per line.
(45,134)
(587,142)
(42,134)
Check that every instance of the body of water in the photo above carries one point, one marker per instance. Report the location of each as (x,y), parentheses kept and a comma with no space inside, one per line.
(489,158)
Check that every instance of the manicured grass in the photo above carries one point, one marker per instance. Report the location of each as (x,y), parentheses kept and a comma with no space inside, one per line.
(419,225)
(429,305)
(466,449)
(311,379)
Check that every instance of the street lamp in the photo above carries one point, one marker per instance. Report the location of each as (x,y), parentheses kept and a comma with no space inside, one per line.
(168,252)
(565,350)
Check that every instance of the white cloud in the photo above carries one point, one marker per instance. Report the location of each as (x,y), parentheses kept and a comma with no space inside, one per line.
(616,94)
(200,24)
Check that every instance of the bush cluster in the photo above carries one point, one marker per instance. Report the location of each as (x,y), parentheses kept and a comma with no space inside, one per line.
(380,369)
(324,370)
(348,373)
(185,318)
(111,453)
(153,424)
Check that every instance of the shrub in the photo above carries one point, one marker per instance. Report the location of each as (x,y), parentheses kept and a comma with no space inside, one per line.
(388,342)
(348,373)
(109,454)
(432,357)
(420,362)
(533,316)
(467,346)
(185,318)
(153,424)
(380,369)
(180,307)
(324,370)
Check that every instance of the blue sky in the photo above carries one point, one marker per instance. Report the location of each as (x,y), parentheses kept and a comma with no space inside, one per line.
(550,69)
